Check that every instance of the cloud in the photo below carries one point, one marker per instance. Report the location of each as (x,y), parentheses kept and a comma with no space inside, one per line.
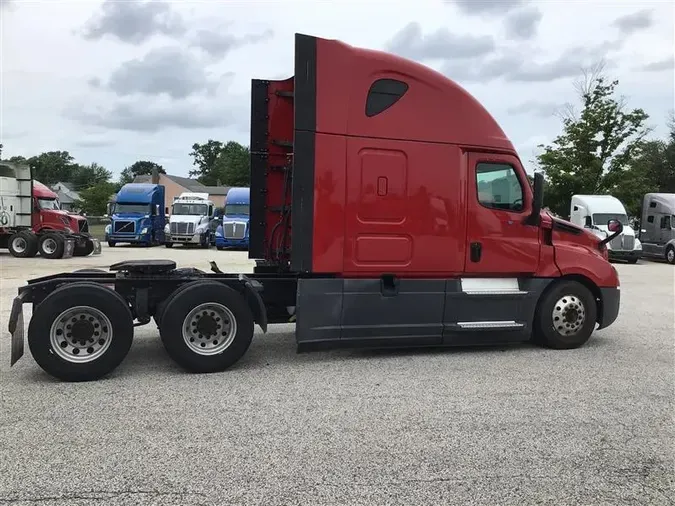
(523,24)
(217,43)
(631,23)
(657,66)
(134,22)
(149,116)
(94,142)
(480,7)
(169,70)
(442,44)
(515,66)
(535,108)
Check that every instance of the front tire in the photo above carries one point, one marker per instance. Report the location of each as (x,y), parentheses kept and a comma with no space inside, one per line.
(670,255)
(168,244)
(85,250)
(80,332)
(51,246)
(566,316)
(206,327)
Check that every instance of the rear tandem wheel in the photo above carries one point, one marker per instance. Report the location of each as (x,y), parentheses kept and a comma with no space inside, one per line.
(80,332)
(206,326)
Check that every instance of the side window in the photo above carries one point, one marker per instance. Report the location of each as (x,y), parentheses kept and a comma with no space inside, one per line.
(665,222)
(498,187)
(382,94)
(588,223)
(652,204)
(650,219)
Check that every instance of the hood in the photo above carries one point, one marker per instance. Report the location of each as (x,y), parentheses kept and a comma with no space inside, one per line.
(185,218)
(236,217)
(130,216)
(65,214)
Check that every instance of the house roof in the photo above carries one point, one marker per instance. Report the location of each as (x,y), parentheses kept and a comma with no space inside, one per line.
(68,186)
(187,183)
(217,190)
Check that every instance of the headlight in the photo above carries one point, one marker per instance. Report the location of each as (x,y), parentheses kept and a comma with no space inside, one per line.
(201,229)
(145,230)
(108,229)
(167,229)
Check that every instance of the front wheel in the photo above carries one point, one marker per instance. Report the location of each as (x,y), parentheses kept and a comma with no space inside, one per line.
(80,332)
(206,327)
(566,316)
(168,244)
(670,255)
(84,250)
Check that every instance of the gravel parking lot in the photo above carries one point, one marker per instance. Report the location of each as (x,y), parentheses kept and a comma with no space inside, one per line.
(505,425)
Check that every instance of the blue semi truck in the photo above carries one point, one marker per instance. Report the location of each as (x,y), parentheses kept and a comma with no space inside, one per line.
(138,215)
(233,231)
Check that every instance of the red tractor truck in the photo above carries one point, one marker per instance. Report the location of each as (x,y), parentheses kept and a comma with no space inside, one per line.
(32,222)
(388,208)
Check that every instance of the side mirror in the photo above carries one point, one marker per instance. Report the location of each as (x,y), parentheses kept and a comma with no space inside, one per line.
(614,226)
(156,209)
(537,200)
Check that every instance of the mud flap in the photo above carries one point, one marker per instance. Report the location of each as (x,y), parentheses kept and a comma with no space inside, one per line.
(254,300)
(68,248)
(16,329)
(97,246)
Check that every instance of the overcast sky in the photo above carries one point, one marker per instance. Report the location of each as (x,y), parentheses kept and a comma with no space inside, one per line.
(117,81)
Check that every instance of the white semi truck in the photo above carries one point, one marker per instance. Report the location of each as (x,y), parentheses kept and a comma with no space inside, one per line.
(191,215)
(594,212)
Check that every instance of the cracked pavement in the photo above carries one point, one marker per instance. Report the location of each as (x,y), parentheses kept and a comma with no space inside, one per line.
(495,425)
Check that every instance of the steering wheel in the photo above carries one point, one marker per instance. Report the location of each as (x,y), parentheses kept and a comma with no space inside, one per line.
(517,204)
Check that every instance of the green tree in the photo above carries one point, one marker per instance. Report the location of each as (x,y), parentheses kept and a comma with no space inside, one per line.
(221,164)
(93,200)
(595,153)
(85,176)
(53,166)
(139,168)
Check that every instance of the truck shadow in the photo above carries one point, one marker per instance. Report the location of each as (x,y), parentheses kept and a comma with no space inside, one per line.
(148,358)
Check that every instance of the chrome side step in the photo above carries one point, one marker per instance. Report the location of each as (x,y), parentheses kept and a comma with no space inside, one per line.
(491,325)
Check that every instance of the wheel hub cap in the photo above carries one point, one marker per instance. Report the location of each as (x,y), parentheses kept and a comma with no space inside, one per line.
(569,315)
(209,329)
(20,245)
(80,334)
(49,246)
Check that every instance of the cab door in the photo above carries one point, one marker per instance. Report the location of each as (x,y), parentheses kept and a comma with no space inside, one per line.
(499,201)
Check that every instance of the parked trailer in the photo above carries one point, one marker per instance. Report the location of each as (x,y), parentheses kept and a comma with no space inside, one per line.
(657,226)
(388,208)
(32,222)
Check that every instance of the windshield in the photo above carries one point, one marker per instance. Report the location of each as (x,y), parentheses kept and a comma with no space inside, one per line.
(131,209)
(236,209)
(601,219)
(51,204)
(193,209)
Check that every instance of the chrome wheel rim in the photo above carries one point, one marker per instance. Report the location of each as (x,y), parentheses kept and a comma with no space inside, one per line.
(49,246)
(569,315)
(671,255)
(209,329)
(81,334)
(19,244)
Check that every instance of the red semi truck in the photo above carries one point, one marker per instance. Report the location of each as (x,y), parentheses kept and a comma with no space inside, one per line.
(32,222)
(388,208)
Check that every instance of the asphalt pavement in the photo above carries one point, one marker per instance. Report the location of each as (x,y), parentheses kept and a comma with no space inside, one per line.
(498,425)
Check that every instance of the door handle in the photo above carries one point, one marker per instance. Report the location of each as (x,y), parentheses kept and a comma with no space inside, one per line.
(476,250)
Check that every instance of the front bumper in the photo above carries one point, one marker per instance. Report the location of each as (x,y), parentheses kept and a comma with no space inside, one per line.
(184,239)
(223,242)
(611,299)
(625,255)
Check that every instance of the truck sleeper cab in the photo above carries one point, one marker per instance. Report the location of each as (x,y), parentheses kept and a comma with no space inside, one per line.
(657,226)
(233,232)
(137,216)
(388,208)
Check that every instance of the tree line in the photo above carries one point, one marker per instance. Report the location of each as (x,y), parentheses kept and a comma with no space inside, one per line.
(604,148)
(216,164)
